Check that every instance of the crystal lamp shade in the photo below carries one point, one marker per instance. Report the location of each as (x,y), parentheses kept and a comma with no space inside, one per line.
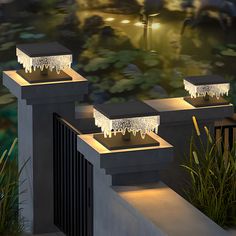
(206,85)
(127,117)
(45,55)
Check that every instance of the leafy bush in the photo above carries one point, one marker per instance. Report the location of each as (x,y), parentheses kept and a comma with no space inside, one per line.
(9,176)
(212,168)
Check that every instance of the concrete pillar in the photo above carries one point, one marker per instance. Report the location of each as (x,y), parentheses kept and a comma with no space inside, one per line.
(36,105)
(112,215)
(177,128)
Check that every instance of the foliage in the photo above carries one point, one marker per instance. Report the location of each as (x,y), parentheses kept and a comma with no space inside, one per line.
(228,50)
(8,125)
(212,168)
(9,176)
(48,4)
(115,69)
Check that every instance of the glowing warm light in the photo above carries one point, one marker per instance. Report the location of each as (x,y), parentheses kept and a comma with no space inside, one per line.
(155,14)
(143,125)
(156,25)
(139,24)
(58,63)
(208,89)
(125,21)
(109,19)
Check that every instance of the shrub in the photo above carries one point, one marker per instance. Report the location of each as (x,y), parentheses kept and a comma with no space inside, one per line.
(9,210)
(212,170)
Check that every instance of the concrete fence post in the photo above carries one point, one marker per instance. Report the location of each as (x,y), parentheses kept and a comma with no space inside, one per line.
(36,104)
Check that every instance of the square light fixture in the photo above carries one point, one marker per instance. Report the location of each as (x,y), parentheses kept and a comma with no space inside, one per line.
(126,125)
(43,62)
(206,90)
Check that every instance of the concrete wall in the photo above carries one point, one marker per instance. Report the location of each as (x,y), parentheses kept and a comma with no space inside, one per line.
(113,216)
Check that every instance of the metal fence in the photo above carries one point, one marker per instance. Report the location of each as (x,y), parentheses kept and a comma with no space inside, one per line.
(73,182)
(227,133)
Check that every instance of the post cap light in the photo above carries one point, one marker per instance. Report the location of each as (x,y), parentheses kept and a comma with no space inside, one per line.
(44,55)
(206,90)
(212,85)
(132,117)
(44,62)
(129,118)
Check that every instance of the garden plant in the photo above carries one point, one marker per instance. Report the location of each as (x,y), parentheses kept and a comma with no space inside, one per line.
(10,222)
(212,168)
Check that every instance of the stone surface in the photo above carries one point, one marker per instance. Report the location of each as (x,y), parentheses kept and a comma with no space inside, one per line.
(175,110)
(127,166)
(45,93)
(113,216)
(168,211)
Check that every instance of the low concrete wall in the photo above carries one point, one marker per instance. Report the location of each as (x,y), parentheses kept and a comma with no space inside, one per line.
(113,216)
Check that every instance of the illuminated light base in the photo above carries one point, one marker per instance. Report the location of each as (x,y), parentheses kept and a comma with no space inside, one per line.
(117,141)
(200,102)
(37,77)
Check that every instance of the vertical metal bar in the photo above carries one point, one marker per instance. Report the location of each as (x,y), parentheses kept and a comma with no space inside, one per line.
(85,196)
(54,169)
(67,157)
(76,191)
(231,137)
(61,176)
(80,195)
(73,183)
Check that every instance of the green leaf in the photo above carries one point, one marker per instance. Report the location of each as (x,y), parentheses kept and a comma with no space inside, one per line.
(150,59)
(93,79)
(98,63)
(123,85)
(229,52)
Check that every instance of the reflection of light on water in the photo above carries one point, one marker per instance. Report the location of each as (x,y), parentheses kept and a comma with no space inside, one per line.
(139,24)
(125,21)
(153,26)
(156,25)
(110,19)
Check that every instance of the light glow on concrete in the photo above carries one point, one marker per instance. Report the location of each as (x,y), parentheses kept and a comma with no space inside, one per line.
(94,144)
(169,211)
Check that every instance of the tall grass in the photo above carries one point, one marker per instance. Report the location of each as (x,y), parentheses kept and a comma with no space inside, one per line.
(212,170)
(10,224)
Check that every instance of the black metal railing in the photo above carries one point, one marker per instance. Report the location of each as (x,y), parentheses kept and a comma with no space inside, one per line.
(227,133)
(73,182)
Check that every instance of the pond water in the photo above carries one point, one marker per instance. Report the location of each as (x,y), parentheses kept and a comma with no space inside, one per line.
(119,57)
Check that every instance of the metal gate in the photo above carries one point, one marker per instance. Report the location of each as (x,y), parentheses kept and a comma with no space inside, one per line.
(73,182)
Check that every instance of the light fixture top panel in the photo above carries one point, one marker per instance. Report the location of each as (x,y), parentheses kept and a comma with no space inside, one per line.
(126,110)
(43,49)
(205,80)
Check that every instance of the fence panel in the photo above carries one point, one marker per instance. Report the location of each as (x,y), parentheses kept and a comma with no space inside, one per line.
(73,182)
